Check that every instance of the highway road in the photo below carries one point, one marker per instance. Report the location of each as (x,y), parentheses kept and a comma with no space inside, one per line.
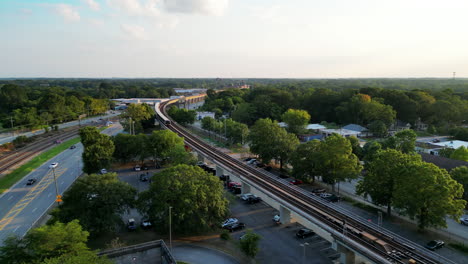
(7,137)
(23,205)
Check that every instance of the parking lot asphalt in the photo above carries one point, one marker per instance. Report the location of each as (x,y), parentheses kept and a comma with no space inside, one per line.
(279,243)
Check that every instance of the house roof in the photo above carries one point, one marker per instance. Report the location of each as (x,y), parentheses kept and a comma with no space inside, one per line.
(342,132)
(282,124)
(443,162)
(315,126)
(452,144)
(355,127)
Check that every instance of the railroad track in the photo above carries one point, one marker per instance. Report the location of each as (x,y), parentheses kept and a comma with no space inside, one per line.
(17,156)
(385,245)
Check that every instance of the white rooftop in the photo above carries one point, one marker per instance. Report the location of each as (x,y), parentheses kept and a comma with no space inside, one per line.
(282,124)
(315,126)
(452,144)
(342,132)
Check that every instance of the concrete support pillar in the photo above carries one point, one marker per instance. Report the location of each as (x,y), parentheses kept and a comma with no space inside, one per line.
(285,215)
(347,256)
(245,188)
(219,171)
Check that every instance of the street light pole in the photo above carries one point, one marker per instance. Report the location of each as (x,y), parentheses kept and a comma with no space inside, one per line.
(170,228)
(304,251)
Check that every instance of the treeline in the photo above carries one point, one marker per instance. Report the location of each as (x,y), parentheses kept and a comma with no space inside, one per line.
(367,106)
(34,107)
(395,176)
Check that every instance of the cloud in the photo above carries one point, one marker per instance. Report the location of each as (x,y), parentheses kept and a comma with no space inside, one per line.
(92,4)
(25,11)
(67,12)
(149,8)
(134,31)
(206,7)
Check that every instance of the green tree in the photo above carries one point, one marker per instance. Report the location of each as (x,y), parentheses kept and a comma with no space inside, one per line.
(382,171)
(404,141)
(296,120)
(98,149)
(138,113)
(270,141)
(306,160)
(429,194)
(168,146)
(249,243)
(244,113)
(182,116)
(460,153)
(45,242)
(196,198)
(85,257)
(460,174)
(338,163)
(378,128)
(125,147)
(446,152)
(98,201)
(356,146)
(370,149)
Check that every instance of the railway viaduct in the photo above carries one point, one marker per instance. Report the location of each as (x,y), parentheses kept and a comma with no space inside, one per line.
(288,213)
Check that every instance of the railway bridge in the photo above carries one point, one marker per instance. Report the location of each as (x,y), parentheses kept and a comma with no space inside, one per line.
(357,240)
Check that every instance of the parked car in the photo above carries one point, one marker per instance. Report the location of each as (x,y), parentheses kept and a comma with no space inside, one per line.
(131,224)
(331,198)
(137,168)
(277,219)
(233,184)
(103,171)
(53,165)
(248,159)
(72,147)
(235,227)
(143,177)
(296,182)
(304,232)
(253,199)
(317,191)
(435,244)
(31,181)
(245,196)
(228,222)
(146,224)
(464,220)
(252,161)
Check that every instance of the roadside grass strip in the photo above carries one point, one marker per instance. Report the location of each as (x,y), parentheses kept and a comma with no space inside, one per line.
(9,180)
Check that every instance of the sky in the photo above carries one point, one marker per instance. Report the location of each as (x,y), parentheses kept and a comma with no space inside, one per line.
(233,38)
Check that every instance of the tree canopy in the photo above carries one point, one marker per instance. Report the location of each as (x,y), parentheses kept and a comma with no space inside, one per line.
(196,198)
(98,149)
(97,201)
(296,120)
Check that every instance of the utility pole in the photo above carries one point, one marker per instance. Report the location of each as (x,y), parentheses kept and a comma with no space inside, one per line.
(130,122)
(12,130)
(170,228)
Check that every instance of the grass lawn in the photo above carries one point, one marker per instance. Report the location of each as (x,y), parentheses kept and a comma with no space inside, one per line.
(7,181)
(423,134)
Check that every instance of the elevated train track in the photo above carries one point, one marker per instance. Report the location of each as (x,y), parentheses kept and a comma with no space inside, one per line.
(368,239)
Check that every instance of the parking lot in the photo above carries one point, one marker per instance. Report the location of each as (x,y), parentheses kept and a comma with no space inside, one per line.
(279,243)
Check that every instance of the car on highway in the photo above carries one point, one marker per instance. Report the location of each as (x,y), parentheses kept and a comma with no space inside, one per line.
(435,244)
(304,232)
(31,181)
(235,227)
(464,220)
(53,165)
(103,171)
(296,182)
(72,147)
(146,224)
(137,168)
(228,222)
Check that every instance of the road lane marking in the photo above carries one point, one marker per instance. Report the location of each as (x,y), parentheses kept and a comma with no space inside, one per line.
(62,183)
(34,209)
(16,228)
(47,180)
